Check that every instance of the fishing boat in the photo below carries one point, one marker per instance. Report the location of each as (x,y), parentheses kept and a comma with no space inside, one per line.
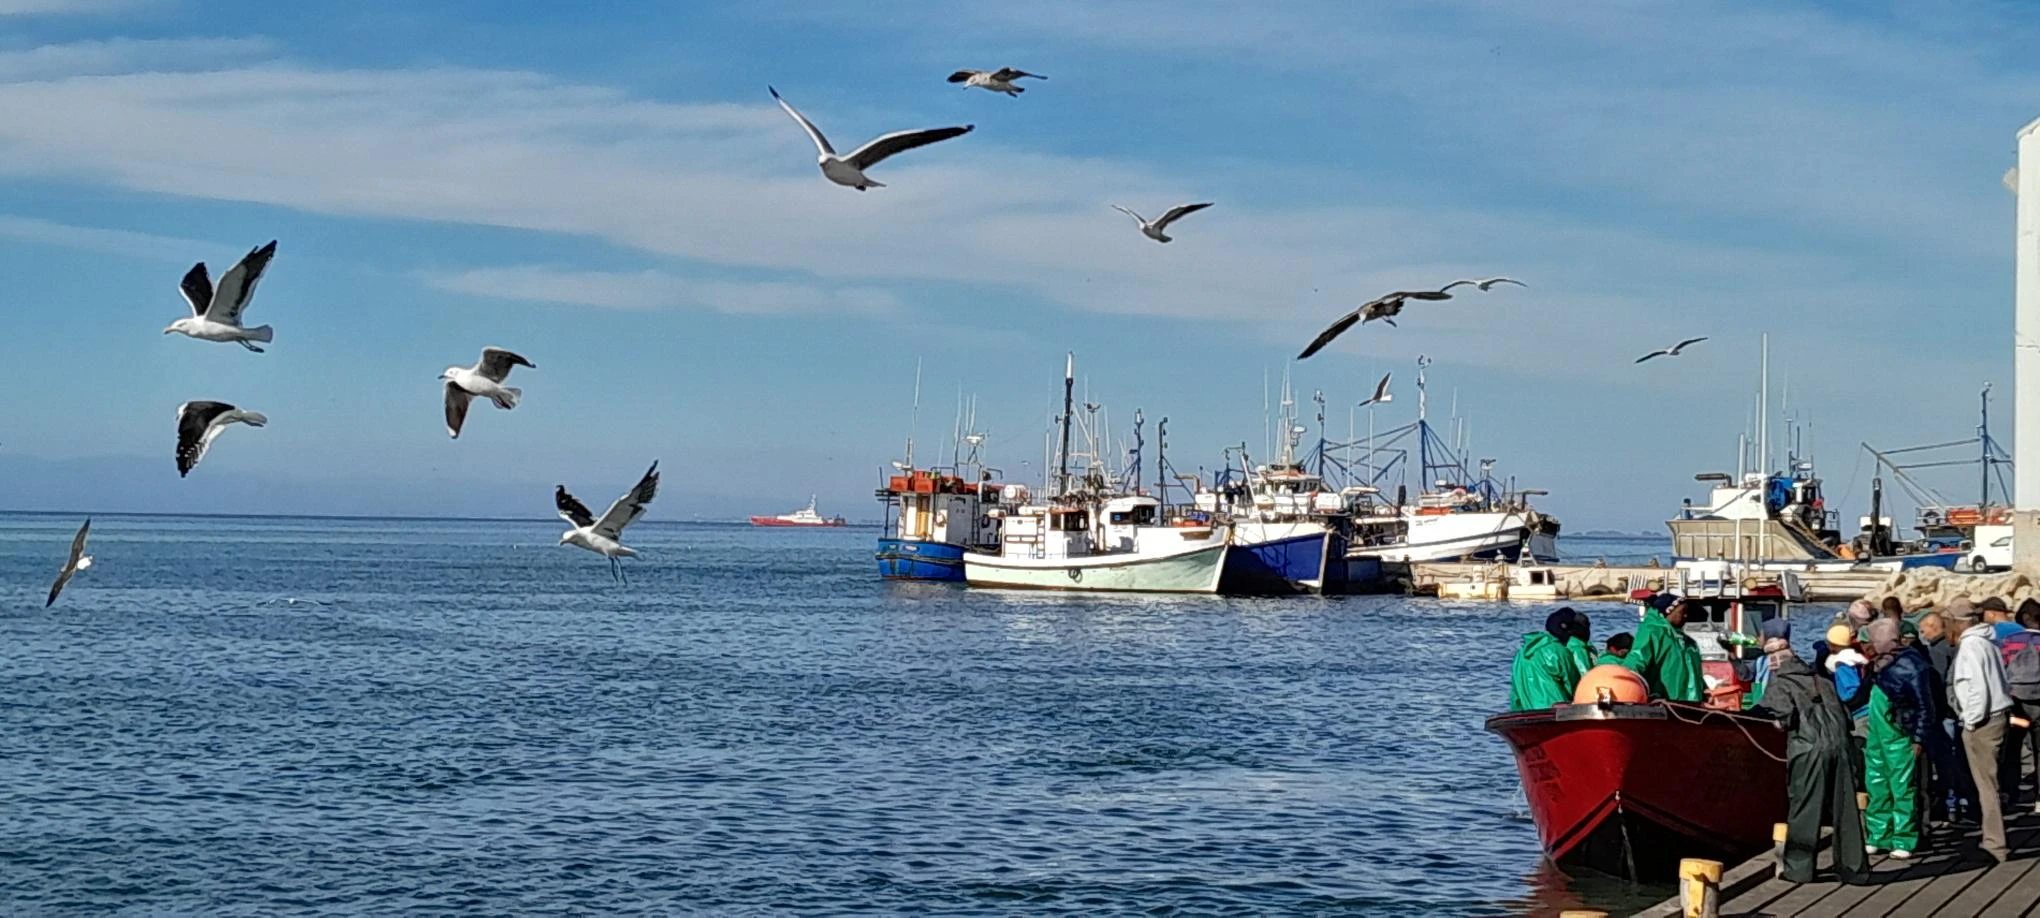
(934,516)
(1290,530)
(1459,513)
(1944,524)
(805,516)
(1779,520)
(1097,532)
(1117,544)
(1629,789)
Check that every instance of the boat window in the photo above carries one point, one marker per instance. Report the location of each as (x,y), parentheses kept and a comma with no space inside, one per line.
(1074,521)
(1144,515)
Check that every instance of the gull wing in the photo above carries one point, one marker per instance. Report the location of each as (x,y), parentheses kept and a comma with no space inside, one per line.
(197,287)
(1178,212)
(457,400)
(1136,217)
(1490,282)
(1683,344)
(571,510)
(1332,331)
(1009,74)
(1651,354)
(962,76)
(629,507)
(1380,391)
(875,152)
(237,286)
(496,363)
(71,566)
(195,432)
(814,133)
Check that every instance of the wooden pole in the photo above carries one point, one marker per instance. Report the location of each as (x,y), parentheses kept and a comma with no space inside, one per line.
(1699,888)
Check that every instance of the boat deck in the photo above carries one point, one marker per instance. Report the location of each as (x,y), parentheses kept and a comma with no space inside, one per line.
(1951,877)
(1594,582)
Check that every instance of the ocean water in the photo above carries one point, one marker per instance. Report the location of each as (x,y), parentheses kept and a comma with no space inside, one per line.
(464,717)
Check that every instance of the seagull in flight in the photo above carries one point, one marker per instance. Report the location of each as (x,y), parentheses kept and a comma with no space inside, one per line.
(216,311)
(199,422)
(1000,80)
(78,561)
(1484,285)
(1381,394)
(1156,229)
(1672,351)
(1385,307)
(849,170)
(484,379)
(601,535)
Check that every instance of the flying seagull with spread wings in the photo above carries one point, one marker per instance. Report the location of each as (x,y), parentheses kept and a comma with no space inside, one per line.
(1484,285)
(1156,229)
(1000,80)
(602,536)
(199,422)
(484,380)
(849,170)
(1385,308)
(1672,351)
(216,311)
(1381,394)
(78,561)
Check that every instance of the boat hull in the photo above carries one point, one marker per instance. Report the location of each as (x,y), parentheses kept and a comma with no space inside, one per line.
(1630,789)
(1194,570)
(1274,563)
(912,559)
(773,521)
(1467,537)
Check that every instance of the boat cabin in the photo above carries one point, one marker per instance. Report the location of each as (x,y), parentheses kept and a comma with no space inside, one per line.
(1118,525)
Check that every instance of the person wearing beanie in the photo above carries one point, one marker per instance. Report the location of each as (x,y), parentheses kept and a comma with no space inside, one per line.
(1545,671)
(1663,655)
(1771,635)
(1902,720)
(1820,779)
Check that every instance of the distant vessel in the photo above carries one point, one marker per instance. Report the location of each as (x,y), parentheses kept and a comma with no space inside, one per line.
(1457,515)
(805,516)
(1092,536)
(1290,530)
(1779,520)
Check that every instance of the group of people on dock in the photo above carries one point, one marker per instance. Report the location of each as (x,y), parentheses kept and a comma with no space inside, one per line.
(1929,714)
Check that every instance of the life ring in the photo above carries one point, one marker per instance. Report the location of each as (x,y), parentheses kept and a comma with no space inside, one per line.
(1075,573)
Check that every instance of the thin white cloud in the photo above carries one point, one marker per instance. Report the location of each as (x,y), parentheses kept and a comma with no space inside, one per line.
(645,290)
(71,7)
(127,55)
(125,243)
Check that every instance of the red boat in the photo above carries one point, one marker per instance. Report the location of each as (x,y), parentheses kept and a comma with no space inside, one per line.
(1629,789)
(805,516)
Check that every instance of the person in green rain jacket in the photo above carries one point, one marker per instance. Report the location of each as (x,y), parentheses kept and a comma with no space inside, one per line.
(1618,647)
(1579,638)
(1663,655)
(1545,672)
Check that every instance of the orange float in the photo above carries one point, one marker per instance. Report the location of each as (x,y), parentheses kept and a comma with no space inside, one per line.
(1623,685)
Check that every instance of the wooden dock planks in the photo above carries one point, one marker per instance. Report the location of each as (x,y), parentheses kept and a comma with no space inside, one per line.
(1950,877)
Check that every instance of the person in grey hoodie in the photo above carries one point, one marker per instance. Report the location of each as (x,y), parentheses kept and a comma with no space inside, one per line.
(1981,701)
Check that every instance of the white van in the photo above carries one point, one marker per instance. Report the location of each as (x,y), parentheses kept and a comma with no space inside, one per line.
(1992,551)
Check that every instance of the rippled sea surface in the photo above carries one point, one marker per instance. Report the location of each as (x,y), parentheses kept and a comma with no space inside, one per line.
(465,717)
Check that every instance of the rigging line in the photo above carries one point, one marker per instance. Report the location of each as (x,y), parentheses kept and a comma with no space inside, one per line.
(1851,489)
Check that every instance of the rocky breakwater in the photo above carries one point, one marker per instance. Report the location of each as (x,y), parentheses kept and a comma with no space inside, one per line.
(1935,588)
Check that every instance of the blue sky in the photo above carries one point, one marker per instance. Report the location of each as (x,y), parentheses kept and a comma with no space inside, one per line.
(617,198)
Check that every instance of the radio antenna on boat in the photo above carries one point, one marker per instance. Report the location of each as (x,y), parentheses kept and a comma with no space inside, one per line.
(1062,471)
(914,420)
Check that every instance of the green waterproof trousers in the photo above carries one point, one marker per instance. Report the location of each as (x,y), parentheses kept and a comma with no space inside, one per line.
(1822,782)
(1891,775)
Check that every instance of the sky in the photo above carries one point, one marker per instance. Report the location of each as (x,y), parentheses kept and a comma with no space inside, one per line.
(618,198)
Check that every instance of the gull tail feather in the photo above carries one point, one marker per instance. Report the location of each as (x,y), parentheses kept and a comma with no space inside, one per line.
(262,333)
(508,398)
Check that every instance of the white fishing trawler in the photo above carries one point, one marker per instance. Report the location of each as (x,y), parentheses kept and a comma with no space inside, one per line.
(1087,538)
(1457,515)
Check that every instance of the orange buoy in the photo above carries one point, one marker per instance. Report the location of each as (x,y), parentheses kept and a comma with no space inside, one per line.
(1622,684)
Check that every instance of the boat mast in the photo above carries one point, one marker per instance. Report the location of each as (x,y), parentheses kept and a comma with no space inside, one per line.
(1062,471)
(914,420)
(1983,444)
(1423,428)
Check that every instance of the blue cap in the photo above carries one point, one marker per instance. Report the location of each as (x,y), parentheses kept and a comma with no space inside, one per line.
(1776,628)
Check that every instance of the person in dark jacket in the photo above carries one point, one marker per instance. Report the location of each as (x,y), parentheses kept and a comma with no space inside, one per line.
(1948,782)
(1820,781)
(1903,719)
